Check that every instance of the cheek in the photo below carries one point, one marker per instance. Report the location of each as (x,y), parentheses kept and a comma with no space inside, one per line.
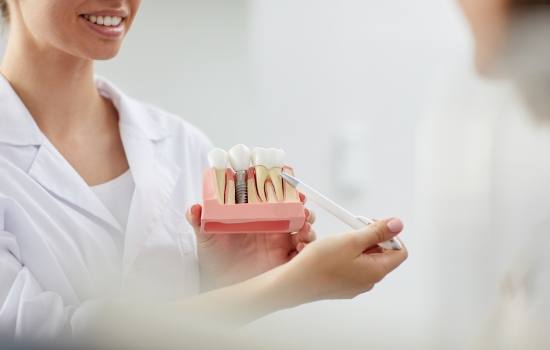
(51,23)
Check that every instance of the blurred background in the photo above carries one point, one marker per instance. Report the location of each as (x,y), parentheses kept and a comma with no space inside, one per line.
(341,86)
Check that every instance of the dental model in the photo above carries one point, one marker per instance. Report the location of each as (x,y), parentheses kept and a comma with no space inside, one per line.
(239,157)
(291,194)
(230,187)
(219,160)
(249,198)
(252,191)
(275,173)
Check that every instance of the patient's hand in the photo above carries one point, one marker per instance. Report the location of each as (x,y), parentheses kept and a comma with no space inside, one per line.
(226,259)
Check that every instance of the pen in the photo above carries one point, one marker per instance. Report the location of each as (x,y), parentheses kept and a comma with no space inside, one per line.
(355,222)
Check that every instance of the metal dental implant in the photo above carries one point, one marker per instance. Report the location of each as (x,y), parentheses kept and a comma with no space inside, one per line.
(239,156)
(241,188)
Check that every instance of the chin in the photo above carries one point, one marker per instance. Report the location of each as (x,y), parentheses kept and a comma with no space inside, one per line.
(103,54)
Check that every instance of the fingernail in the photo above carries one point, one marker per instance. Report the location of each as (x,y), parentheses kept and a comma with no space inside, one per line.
(195,209)
(395,225)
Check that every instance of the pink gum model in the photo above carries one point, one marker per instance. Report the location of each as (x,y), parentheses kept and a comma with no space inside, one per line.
(217,218)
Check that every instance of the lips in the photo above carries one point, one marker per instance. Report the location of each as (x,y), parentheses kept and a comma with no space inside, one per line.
(107,25)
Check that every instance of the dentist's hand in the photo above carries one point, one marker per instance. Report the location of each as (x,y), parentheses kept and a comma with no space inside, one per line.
(341,266)
(226,259)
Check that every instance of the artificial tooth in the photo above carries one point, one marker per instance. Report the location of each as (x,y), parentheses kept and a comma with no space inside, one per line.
(219,159)
(252,191)
(262,160)
(230,187)
(291,194)
(239,156)
(270,192)
(275,173)
(269,163)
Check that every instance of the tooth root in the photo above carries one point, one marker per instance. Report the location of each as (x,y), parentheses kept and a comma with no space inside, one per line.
(277,182)
(262,174)
(230,188)
(270,192)
(291,194)
(220,184)
(252,191)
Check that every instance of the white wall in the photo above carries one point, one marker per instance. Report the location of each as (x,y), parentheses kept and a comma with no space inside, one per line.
(324,67)
(300,74)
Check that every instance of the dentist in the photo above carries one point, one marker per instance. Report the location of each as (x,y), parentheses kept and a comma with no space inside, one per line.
(94,188)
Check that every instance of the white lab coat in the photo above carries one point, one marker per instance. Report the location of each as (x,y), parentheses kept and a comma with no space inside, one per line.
(484,209)
(62,253)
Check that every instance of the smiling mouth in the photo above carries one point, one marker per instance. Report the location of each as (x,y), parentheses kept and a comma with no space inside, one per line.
(105,21)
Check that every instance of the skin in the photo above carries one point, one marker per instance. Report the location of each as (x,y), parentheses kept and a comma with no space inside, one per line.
(492,23)
(489,21)
(49,62)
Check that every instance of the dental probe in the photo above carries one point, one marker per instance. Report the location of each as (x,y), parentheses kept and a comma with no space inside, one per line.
(338,211)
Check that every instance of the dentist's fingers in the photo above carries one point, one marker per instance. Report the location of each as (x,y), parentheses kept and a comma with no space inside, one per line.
(194,218)
(305,235)
(386,262)
(193,215)
(376,233)
(310,216)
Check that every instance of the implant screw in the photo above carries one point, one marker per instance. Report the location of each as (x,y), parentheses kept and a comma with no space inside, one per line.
(241,187)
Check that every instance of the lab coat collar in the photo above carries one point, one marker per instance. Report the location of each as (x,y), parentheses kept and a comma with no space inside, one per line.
(154,175)
(131,113)
(17,126)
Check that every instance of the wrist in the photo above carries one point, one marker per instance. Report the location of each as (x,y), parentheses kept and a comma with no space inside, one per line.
(285,287)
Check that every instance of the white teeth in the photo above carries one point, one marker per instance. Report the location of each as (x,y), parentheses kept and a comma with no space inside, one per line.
(265,184)
(107,21)
(268,163)
(239,157)
(275,174)
(280,156)
(218,159)
(265,157)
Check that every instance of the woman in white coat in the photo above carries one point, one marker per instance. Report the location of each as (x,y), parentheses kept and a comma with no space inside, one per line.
(483,175)
(94,188)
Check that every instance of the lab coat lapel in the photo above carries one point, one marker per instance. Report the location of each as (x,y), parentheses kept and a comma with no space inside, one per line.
(154,174)
(56,175)
(155,178)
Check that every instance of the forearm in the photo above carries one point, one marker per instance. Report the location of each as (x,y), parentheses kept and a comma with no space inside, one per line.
(246,301)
